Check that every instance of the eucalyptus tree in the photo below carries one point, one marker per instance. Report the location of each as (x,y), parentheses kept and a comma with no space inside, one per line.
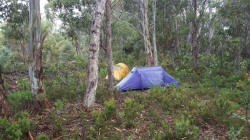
(143,7)
(197,12)
(89,96)
(108,43)
(14,15)
(75,16)
(4,110)
(236,21)
(154,32)
(35,48)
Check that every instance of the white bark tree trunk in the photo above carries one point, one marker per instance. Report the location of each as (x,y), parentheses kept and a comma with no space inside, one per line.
(143,5)
(35,44)
(89,97)
(108,43)
(154,34)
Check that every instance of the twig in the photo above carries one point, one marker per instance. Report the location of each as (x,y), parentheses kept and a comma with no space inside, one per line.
(30,136)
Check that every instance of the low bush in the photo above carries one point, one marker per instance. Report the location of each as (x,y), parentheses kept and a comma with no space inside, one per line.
(182,130)
(59,105)
(109,109)
(107,114)
(19,100)
(17,129)
(233,133)
(56,121)
(42,137)
(131,111)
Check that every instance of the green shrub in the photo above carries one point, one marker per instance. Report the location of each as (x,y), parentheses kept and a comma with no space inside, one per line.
(9,130)
(17,129)
(23,84)
(24,124)
(56,121)
(75,136)
(59,105)
(109,108)
(131,110)
(182,129)
(223,106)
(207,111)
(234,133)
(42,137)
(99,118)
(102,94)
(19,100)
(107,114)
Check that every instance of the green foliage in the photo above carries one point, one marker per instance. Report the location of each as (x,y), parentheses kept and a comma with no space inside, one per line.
(107,114)
(23,84)
(23,122)
(182,129)
(102,94)
(9,130)
(19,100)
(169,98)
(75,136)
(109,109)
(59,105)
(222,106)
(15,129)
(99,118)
(234,133)
(102,122)
(43,137)
(131,111)
(65,85)
(56,121)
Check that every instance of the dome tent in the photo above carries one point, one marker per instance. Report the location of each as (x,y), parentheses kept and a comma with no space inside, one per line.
(146,77)
(120,71)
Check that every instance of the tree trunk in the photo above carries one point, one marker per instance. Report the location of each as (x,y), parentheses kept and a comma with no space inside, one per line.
(77,46)
(143,5)
(154,34)
(89,97)
(211,31)
(108,43)
(194,36)
(4,110)
(35,49)
(189,36)
(23,51)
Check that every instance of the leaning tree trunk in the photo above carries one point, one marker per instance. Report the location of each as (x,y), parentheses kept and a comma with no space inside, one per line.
(89,97)
(108,43)
(154,35)
(194,39)
(143,5)
(35,48)
(4,110)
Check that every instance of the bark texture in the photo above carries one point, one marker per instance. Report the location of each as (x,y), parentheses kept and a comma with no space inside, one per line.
(35,48)
(89,97)
(143,6)
(4,110)
(154,34)
(194,36)
(108,43)
(195,30)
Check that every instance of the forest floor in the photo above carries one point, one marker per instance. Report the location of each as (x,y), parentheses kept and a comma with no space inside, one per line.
(151,114)
(72,116)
